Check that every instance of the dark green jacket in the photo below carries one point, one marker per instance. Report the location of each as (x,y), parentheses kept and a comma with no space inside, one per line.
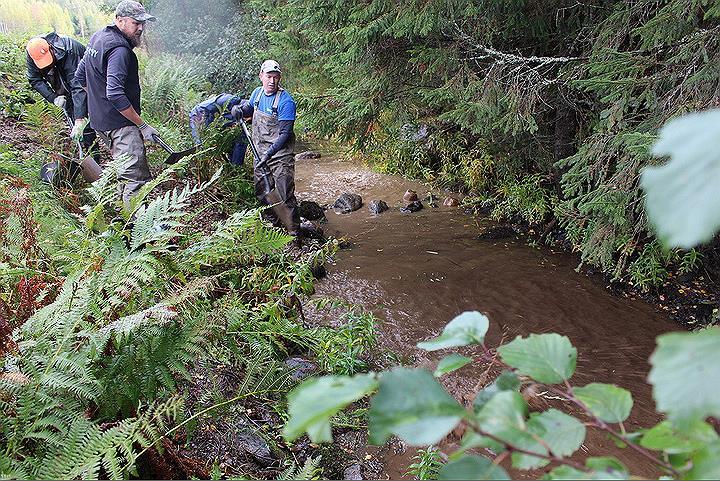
(59,78)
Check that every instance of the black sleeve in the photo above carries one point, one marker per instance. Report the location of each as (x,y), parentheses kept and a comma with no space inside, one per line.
(79,96)
(38,82)
(286,129)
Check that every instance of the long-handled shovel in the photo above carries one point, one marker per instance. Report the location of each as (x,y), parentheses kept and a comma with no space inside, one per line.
(91,171)
(271,195)
(174,157)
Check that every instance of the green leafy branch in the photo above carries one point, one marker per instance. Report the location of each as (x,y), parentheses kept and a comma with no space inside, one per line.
(412,404)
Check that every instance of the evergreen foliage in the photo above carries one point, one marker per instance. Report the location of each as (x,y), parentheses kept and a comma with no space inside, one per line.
(222,40)
(546,109)
(70,17)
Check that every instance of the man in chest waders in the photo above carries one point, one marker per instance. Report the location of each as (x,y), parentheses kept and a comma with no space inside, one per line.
(273,117)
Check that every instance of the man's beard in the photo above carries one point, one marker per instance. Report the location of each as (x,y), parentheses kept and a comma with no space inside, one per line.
(135,41)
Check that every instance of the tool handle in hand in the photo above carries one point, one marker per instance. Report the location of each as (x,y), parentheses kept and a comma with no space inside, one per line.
(162,144)
(258,159)
(71,124)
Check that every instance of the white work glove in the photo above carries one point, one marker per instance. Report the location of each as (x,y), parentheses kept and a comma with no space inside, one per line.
(60,101)
(77,131)
(148,132)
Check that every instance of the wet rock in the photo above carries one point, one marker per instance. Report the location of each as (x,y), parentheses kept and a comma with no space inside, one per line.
(410,196)
(308,154)
(311,210)
(318,271)
(412,207)
(353,472)
(301,368)
(495,233)
(311,231)
(451,202)
(432,200)
(347,203)
(377,206)
(256,447)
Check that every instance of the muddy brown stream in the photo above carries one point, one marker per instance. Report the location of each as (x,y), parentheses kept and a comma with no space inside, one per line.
(417,271)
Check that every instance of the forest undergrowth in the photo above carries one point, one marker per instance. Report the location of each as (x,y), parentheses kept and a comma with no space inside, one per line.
(127,335)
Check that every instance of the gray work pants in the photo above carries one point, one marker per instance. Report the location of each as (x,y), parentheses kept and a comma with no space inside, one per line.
(134,172)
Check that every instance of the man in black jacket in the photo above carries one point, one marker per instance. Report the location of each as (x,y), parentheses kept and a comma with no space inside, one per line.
(51,63)
(109,73)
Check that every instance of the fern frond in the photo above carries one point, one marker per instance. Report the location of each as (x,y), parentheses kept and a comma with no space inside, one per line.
(104,192)
(155,223)
(123,275)
(167,174)
(310,470)
(241,235)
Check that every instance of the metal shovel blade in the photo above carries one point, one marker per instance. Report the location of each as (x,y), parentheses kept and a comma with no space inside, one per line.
(281,210)
(174,157)
(91,171)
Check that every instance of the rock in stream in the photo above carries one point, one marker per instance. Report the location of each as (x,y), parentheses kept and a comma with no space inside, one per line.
(308,154)
(412,207)
(347,203)
(311,210)
(377,206)
(410,196)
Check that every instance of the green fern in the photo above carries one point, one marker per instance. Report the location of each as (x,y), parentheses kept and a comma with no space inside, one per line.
(240,236)
(310,470)
(155,223)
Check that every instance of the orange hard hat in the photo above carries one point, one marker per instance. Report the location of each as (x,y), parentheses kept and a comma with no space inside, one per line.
(39,50)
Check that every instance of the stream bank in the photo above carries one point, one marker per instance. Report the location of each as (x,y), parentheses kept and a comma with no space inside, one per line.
(416,271)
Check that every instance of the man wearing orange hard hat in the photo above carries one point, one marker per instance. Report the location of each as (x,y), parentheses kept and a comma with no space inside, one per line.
(51,63)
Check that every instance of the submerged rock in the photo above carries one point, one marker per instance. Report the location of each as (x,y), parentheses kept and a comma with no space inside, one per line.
(318,271)
(499,232)
(308,154)
(311,210)
(377,206)
(410,196)
(347,202)
(451,202)
(412,207)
